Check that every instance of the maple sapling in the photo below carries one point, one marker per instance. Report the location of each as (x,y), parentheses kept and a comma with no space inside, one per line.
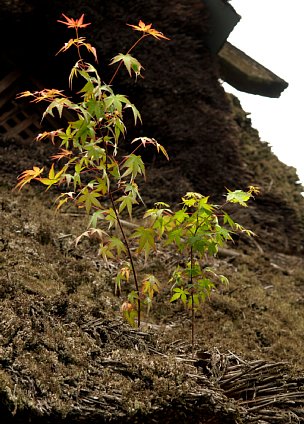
(89,145)
(105,183)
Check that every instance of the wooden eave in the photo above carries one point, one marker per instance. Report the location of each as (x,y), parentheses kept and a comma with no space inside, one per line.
(246,74)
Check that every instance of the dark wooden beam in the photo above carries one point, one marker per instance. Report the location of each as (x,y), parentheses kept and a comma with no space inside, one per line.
(246,74)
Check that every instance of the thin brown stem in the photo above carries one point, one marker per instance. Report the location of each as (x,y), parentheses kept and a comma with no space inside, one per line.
(192,301)
(77,46)
(126,243)
(129,255)
(129,51)
(126,157)
(192,323)
(192,289)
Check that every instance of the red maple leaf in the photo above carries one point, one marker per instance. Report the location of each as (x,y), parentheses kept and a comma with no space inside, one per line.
(74,23)
(142,27)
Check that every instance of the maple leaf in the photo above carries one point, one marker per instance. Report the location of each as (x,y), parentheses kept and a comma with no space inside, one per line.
(96,233)
(136,113)
(47,94)
(80,41)
(150,284)
(134,165)
(91,49)
(62,154)
(130,63)
(147,29)
(105,252)
(53,177)
(127,307)
(28,175)
(146,240)
(74,23)
(24,94)
(238,196)
(127,202)
(118,245)
(181,294)
(46,134)
(146,140)
(254,189)
(43,135)
(63,198)
(89,198)
(72,42)
(125,273)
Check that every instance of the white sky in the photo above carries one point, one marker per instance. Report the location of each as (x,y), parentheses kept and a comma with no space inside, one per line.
(272,33)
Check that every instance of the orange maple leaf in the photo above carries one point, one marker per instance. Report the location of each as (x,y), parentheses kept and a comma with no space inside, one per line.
(74,23)
(62,154)
(28,175)
(24,94)
(46,94)
(142,27)
(50,134)
(43,135)
(78,42)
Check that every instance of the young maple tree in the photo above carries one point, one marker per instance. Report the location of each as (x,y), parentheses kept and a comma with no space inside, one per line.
(197,230)
(89,145)
(105,183)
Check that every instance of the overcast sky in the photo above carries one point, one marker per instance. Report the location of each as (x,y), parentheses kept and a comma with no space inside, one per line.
(272,33)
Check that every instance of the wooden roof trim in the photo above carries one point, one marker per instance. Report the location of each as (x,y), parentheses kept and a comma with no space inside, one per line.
(246,74)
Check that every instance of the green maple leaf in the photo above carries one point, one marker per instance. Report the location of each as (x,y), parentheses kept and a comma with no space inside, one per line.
(105,252)
(130,63)
(228,220)
(59,104)
(238,196)
(118,245)
(181,294)
(127,202)
(89,198)
(146,240)
(175,237)
(180,216)
(134,165)
(135,111)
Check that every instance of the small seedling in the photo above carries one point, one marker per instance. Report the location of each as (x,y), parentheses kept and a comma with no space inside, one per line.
(197,230)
